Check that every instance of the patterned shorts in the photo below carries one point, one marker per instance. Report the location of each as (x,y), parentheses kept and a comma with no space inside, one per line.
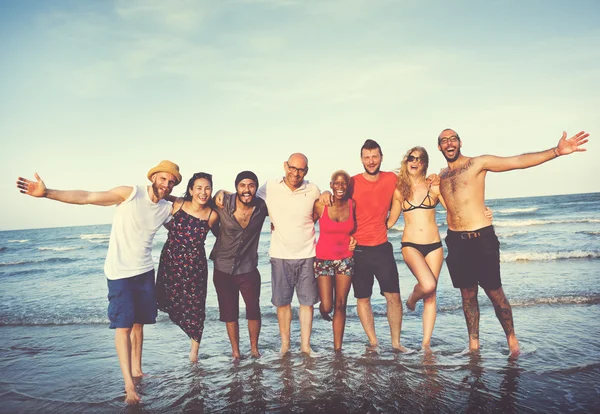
(334,267)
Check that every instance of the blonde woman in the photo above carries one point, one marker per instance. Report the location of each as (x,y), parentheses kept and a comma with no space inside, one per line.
(421,243)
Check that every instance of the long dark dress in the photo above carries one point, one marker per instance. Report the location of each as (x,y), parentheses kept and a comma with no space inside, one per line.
(181,283)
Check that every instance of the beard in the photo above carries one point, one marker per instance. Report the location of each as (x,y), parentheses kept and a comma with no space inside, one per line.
(246,203)
(157,194)
(374,172)
(454,157)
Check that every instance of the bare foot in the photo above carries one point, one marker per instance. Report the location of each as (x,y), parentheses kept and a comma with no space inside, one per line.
(131,396)
(400,348)
(138,374)
(285,348)
(426,348)
(236,355)
(515,351)
(326,316)
(307,350)
(193,357)
(513,346)
(255,353)
(373,348)
(410,303)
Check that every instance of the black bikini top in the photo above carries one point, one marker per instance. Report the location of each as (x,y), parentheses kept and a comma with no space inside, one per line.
(426,204)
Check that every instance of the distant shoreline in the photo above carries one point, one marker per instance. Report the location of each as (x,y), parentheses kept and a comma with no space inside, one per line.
(102,224)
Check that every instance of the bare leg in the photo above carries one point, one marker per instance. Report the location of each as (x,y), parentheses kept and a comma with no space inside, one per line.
(434,261)
(325,284)
(365,314)
(284,317)
(504,315)
(233,331)
(123,346)
(306,319)
(342,288)
(194,349)
(137,342)
(394,315)
(471,311)
(426,278)
(254,332)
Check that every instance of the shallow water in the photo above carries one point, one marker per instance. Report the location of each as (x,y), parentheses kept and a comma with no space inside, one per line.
(57,354)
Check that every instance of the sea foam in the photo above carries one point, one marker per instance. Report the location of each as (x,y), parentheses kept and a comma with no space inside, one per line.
(524,223)
(517,210)
(545,256)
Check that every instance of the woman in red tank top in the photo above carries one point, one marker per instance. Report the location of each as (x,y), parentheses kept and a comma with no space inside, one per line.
(334,264)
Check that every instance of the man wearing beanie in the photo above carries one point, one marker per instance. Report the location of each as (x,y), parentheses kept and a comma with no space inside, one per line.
(140,212)
(235,257)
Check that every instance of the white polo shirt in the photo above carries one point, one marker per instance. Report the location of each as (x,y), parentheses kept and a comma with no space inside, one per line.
(291,213)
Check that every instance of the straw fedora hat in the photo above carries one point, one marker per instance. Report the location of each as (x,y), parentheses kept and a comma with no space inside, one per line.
(168,167)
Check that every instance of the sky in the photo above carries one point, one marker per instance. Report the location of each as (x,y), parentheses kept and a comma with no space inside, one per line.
(94,94)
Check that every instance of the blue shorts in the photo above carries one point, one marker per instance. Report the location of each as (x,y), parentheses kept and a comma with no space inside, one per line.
(132,300)
(287,274)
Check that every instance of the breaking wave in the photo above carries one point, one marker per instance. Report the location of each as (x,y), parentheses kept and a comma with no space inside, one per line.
(546,256)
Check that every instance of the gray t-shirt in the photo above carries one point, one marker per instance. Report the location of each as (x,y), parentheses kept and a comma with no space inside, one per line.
(236,249)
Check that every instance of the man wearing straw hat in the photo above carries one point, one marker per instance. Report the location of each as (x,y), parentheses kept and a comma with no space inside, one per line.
(129,268)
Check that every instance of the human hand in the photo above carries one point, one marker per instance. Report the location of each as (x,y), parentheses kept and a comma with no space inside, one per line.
(567,146)
(34,189)
(488,213)
(325,198)
(353,244)
(218,199)
(433,179)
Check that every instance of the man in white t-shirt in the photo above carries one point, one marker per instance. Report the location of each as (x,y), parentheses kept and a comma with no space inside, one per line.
(129,267)
(290,200)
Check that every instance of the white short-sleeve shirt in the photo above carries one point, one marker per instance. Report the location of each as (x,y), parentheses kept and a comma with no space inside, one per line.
(291,213)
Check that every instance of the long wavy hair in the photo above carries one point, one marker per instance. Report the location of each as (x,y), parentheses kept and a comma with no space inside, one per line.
(403,183)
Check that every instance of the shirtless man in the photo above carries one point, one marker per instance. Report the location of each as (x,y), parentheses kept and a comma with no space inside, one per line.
(473,248)
(129,268)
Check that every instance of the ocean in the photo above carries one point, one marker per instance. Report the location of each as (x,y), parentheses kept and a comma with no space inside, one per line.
(57,353)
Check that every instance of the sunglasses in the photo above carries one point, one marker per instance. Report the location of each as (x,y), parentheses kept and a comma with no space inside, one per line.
(412,158)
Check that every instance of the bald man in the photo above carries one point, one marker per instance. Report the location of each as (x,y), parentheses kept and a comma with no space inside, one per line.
(290,201)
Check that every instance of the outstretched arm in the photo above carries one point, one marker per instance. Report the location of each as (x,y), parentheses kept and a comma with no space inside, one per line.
(395,209)
(565,146)
(99,198)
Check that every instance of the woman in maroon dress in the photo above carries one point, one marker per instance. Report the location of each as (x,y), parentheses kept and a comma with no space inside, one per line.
(182,277)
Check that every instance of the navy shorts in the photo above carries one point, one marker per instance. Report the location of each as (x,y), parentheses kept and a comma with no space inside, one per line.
(132,300)
(474,258)
(287,274)
(371,262)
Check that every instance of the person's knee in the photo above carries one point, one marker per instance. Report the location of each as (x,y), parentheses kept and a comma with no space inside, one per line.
(393,299)
(326,307)
(340,305)
(469,293)
(429,288)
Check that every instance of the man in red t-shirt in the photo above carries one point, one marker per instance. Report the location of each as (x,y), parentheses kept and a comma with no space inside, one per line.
(374,256)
